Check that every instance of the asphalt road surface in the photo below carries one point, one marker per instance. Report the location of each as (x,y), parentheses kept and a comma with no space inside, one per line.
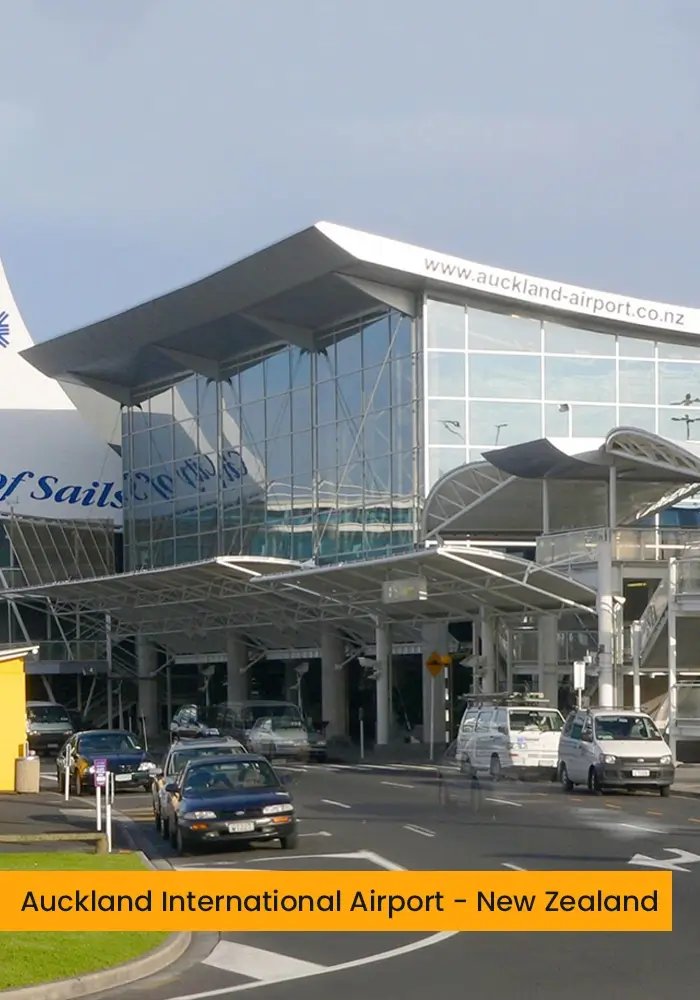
(355,818)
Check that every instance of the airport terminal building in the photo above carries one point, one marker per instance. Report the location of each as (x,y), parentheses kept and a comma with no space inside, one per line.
(345,448)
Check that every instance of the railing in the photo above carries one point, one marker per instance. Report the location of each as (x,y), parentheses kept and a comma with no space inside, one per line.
(628,545)
(652,615)
(688,577)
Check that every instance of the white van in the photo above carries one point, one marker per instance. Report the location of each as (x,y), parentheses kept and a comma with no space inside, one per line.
(510,734)
(614,748)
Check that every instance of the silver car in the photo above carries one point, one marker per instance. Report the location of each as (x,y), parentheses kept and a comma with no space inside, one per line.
(286,735)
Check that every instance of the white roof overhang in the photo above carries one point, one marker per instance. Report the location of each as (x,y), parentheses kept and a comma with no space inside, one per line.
(275,603)
(297,290)
(504,493)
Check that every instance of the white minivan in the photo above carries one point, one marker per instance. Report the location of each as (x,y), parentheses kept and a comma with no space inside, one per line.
(614,748)
(515,735)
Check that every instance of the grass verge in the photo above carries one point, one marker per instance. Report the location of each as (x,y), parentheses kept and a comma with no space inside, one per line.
(41,956)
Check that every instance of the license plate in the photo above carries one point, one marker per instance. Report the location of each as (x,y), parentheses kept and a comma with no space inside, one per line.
(640,774)
(241,827)
(123,777)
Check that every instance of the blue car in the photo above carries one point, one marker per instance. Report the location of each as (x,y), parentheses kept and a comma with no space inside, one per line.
(232,799)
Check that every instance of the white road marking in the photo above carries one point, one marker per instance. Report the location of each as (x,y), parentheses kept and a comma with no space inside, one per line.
(331,802)
(670,864)
(419,829)
(505,802)
(642,829)
(256,963)
(49,777)
(396,784)
(513,868)
(321,833)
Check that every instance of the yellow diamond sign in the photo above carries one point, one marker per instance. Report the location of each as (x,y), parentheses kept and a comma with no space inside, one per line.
(436,663)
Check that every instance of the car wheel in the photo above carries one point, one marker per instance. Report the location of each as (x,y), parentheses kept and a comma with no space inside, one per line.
(158,821)
(567,784)
(174,834)
(665,791)
(291,842)
(495,768)
(594,785)
(165,828)
(181,845)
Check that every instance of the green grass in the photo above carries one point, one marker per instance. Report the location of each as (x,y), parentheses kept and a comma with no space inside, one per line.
(41,956)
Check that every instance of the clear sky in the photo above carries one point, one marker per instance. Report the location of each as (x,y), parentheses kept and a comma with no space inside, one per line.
(148,142)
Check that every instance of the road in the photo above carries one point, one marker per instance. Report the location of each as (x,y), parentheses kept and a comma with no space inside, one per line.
(362,818)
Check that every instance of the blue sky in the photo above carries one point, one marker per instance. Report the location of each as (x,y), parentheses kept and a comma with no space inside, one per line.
(146,144)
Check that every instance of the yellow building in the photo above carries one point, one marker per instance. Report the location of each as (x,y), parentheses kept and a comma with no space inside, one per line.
(13,698)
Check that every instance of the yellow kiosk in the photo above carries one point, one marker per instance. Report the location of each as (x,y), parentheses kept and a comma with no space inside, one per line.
(13,698)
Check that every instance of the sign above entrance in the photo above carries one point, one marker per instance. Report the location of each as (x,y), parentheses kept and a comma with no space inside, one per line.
(410,588)
(435,663)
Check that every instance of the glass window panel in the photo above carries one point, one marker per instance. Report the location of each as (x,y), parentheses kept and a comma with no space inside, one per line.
(680,424)
(402,428)
(678,382)
(446,326)
(557,420)
(253,422)
(347,441)
(378,474)
(402,478)
(349,390)
(583,379)
(489,331)
(635,347)
(504,423)
(326,402)
(446,374)
(377,434)
(326,443)
(375,342)
(637,382)
(348,356)
(560,339)
(230,429)
(208,396)
(402,381)
(679,352)
(300,368)
(301,453)
(301,410)
(505,375)
(643,417)
(443,460)
(592,421)
(185,398)
(401,337)
(476,455)
(185,438)
(276,415)
(277,374)
(279,459)
(162,445)
(377,387)
(252,384)
(208,431)
(231,393)
(447,421)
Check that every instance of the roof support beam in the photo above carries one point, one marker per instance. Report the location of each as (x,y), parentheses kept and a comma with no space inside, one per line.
(396,298)
(299,336)
(112,390)
(194,362)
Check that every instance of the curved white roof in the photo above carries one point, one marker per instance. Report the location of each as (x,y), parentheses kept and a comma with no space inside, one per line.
(295,291)
(55,458)
(504,492)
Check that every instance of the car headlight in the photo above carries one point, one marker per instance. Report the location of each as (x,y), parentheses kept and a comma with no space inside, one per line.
(666,760)
(201,814)
(212,732)
(609,758)
(282,807)
(147,765)
(91,769)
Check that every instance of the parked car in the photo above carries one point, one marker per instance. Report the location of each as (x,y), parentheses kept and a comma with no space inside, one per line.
(48,726)
(239,719)
(193,722)
(287,736)
(228,799)
(614,748)
(180,754)
(131,765)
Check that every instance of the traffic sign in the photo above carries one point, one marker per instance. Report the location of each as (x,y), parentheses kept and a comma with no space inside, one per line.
(100,772)
(435,663)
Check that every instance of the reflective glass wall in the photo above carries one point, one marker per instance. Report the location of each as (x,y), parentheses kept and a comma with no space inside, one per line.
(494,379)
(298,455)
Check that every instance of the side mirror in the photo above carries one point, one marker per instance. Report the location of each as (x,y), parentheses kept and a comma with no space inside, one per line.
(503,730)
(586,737)
(172,788)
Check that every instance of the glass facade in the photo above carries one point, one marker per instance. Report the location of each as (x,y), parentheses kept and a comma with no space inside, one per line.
(297,455)
(494,379)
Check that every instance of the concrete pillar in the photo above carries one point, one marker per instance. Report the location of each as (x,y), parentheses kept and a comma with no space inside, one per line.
(435,638)
(488,653)
(147,704)
(548,658)
(334,702)
(606,627)
(383,642)
(236,672)
(290,679)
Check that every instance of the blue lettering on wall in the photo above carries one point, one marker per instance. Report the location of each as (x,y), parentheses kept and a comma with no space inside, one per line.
(45,487)
(197,473)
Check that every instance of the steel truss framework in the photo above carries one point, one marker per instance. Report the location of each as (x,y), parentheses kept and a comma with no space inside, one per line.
(275,603)
(504,493)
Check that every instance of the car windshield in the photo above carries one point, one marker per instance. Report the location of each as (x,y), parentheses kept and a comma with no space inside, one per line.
(282,716)
(535,720)
(182,757)
(47,714)
(625,727)
(99,743)
(226,777)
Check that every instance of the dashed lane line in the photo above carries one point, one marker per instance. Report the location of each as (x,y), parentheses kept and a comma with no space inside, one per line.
(513,868)
(332,802)
(396,784)
(505,802)
(420,830)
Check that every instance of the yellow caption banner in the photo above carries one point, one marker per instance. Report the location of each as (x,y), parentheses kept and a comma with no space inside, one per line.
(336,901)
